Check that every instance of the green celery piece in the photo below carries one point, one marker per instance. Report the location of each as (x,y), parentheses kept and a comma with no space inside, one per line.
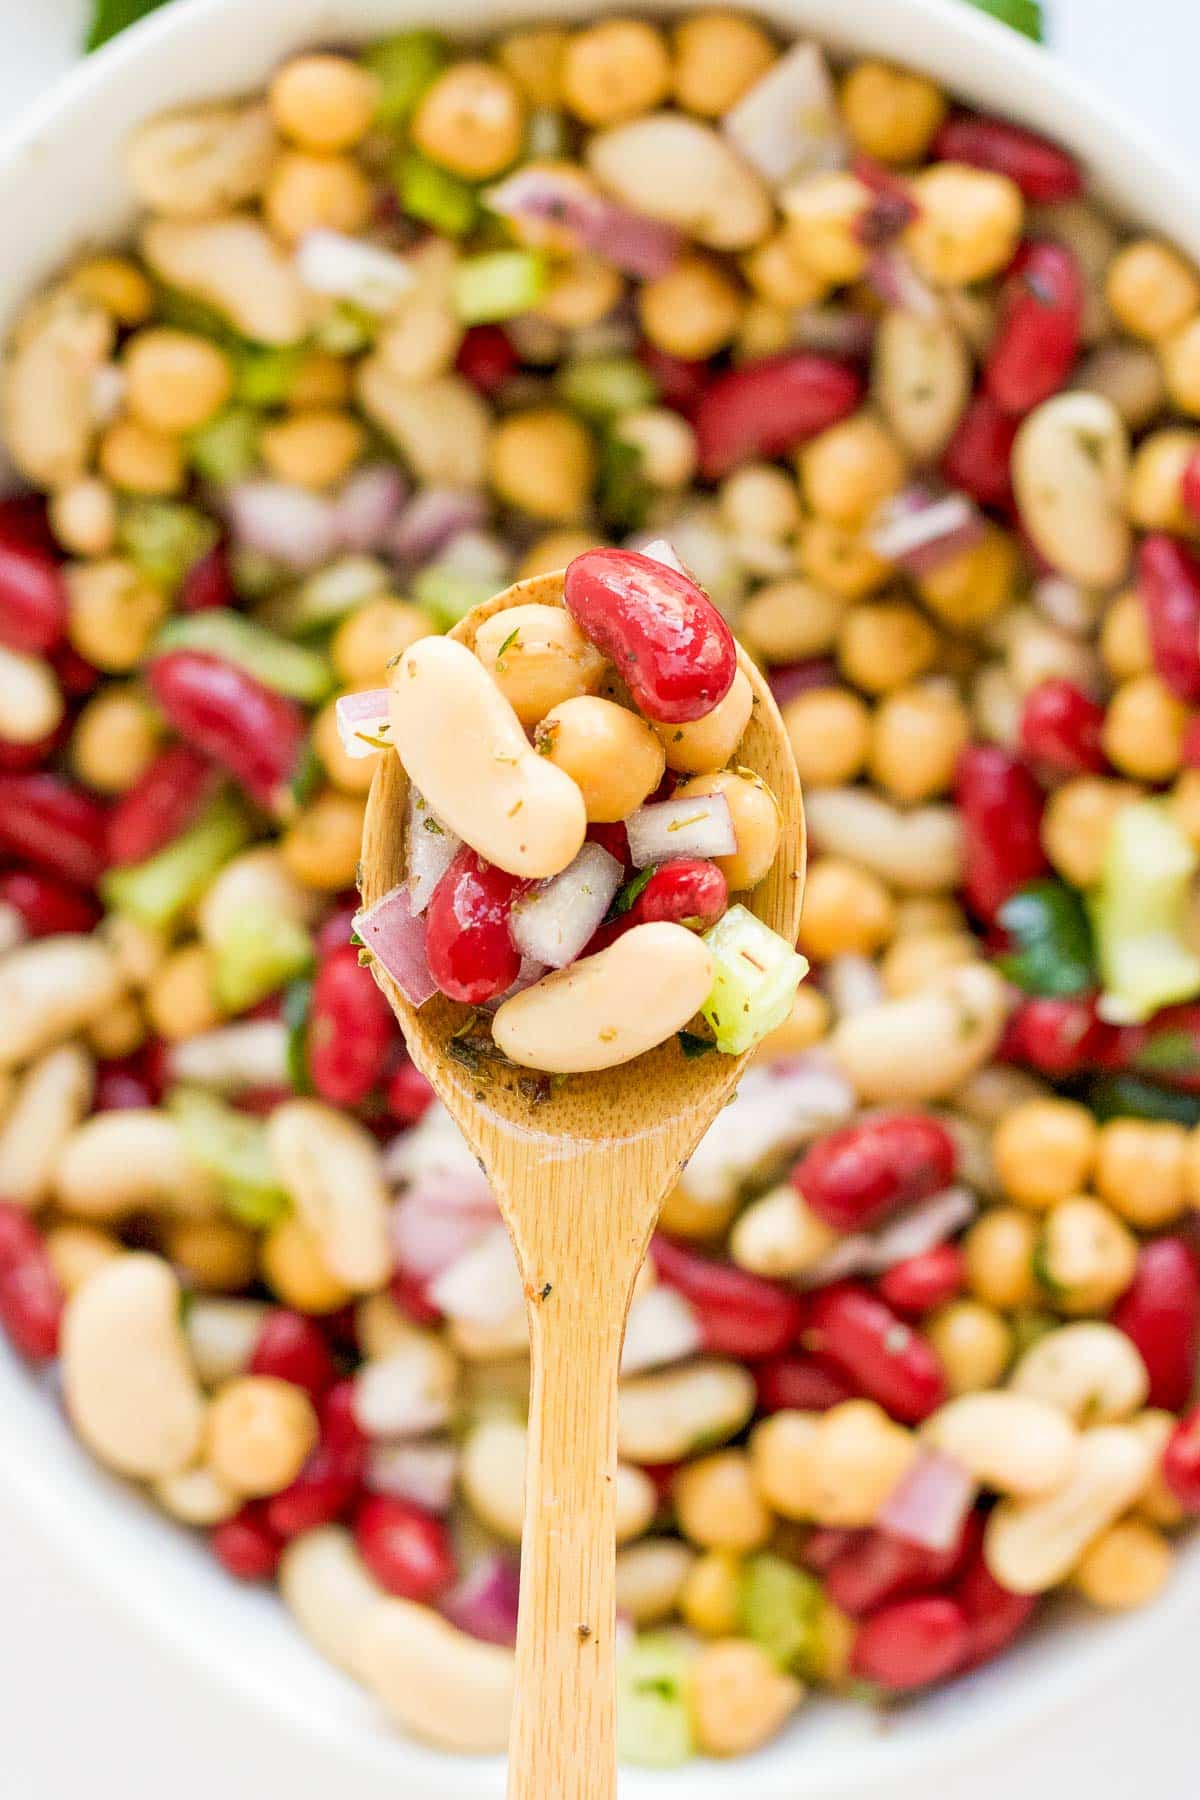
(449,594)
(186,313)
(1129,1097)
(111,16)
(654,1726)
(297,1003)
(1139,915)
(1053,940)
(603,387)
(755,977)
(622,493)
(322,599)
(232,1146)
(780,1608)
(284,667)
(433,195)
(264,374)
(498,285)
(226,449)
(406,65)
(345,330)
(1023,15)
(257,955)
(160,890)
(164,538)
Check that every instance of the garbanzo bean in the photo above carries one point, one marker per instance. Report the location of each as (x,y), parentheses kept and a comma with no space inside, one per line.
(823,213)
(1086,1257)
(974,1344)
(119,1031)
(538,657)
(316,193)
(321,848)
(805,1025)
(849,470)
(782,281)
(260,1430)
(1143,729)
(1044,1151)
(916,738)
(349,774)
(534,59)
(709,743)
(885,646)
(83,517)
(1155,496)
(911,962)
(543,462)
(840,561)
(372,636)
(788,621)
(324,102)
(665,443)
(579,293)
(830,733)
(740,1698)
(718,1505)
(966,590)
(718,55)
(711,1599)
(1152,291)
(1077,822)
(1127,1566)
(615,758)
(1141,1171)
(837,1468)
(615,70)
(693,310)
(77,1251)
(470,121)
(999,1249)
(891,113)
(175,381)
(116,284)
(847,911)
(297,1272)
(1125,637)
(215,1254)
(315,448)
(756,823)
(553,551)
(180,997)
(760,501)
(967,225)
(140,460)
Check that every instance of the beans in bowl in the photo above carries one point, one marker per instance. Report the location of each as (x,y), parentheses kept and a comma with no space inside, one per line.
(859,373)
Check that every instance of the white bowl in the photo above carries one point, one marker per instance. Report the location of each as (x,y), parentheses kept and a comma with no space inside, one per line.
(61,186)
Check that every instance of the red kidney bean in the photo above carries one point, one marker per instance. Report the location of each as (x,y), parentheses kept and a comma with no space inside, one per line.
(789,679)
(1058,1037)
(613,838)
(1160,1314)
(23,520)
(886,1358)
(55,824)
(681,383)
(1181,1461)
(76,676)
(31,1300)
(291,1347)
(739,1314)
(410,1296)
(921,1283)
(121,1084)
(995,1615)
(161,804)
(19,1236)
(1037,335)
(1168,580)
(978,458)
(331,1479)
(229,716)
(1061,729)
(245,1546)
(409,1094)
(487,358)
(471,954)
(687,891)
(1042,171)
(1189,749)
(881,1568)
(892,206)
(33,596)
(800,1384)
(47,905)
(854,1178)
(1001,807)
(665,636)
(767,409)
(350,1030)
(1189,487)
(407,1550)
(21,759)
(912,1644)
(208,583)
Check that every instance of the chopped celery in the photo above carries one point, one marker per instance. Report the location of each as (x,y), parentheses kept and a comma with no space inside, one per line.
(601,387)
(498,285)
(160,890)
(654,1725)
(406,65)
(1131,1097)
(780,1607)
(1052,940)
(297,1003)
(219,631)
(345,330)
(755,977)
(324,598)
(449,594)
(256,955)
(232,1146)
(264,374)
(226,449)
(623,494)
(164,538)
(1139,915)
(186,313)
(432,194)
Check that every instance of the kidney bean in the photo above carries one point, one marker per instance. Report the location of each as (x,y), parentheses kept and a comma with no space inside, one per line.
(1168,580)
(854,1178)
(663,633)
(739,1314)
(350,1030)
(911,1644)
(800,1384)
(880,1568)
(245,1546)
(31,1300)
(19,1236)
(208,582)
(680,383)
(1181,1461)
(487,357)
(1037,335)
(892,206)
(1001,807)
(767,409)
(409,1094)
(687,891)
(229,716)
(1189,487)
(613,838)
(882,1355)
(55,824)
(121,1084)
(331,1479)
(978,458)
(291,1347)
(1160,1314)
(409,1293)
(33,596)
(22,759)
(161,804)
(1058,1037)
(47,905)
(23,520)
(826,1543)
(407,1550)
(471,954)
(1061,728)
(920,1283)
(995,1615)
(1042,171)
(76,676)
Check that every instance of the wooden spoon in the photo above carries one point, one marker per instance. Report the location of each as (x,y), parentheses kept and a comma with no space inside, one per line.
(580,1172)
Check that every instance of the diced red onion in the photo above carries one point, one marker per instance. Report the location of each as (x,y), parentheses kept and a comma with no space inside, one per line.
(368,505)
(638,246)
(433,1147)
(288,524)
(853,984)
(423,1473)
(431,520)
(233,1058)
(789,679)
(664,552)
(662,1328)
(438,1221)
(788,123)
(484,1603)
(482,1286)
(552,924)
(399,1395)
(362,721)
(528,975)
(930,1504)
(348,268)
(701,827)
(394,933)
(429,848)
(775,1111)
(922,1228)
(920,530)
(897,283)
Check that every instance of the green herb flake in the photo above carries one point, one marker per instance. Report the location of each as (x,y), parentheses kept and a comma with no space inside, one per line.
(693,1045)
(629,894)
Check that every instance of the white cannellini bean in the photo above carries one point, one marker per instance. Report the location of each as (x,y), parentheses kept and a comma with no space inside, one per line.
(779,1235)
(235,265)
(31,702)
(333,1169)
(663,1417)
(918,852)
(127,1378)
(490,1343)
(202,159)
(650,1578)
(775,1112)
(662,1328)
(53,1096)
(492,1477)
(49,990)
(1009,1442)
(326,1587)
(674,168)
(197,1497)
(608,1008)
(409,1391)
(1070,467)
(46,397)
(257,881)
(250,1054)
(1089,1370)
(923,1046)
(436,1682)
(222,1335)
(1032,1545)
(921,378)
(441,426)
(117,1163)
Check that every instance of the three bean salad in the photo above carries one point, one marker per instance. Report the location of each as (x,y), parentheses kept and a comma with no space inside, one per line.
(738,337)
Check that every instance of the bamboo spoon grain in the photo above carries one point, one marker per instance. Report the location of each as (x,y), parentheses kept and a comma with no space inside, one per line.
(580,1176)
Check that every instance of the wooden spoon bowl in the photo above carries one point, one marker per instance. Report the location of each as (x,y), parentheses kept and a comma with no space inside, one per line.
(580,1169)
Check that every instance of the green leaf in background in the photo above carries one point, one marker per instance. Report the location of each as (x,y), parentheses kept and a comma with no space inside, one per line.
(1022,15)
(111,16)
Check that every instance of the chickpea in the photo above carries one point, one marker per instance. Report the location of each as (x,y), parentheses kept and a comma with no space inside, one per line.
(1141,1171)
(534,60)
(1184,803)
(316,448)
(666,445)
(760,501)
(1143,729)
(83,517)
(891,114)
(711,1598)
(116,284)
(805,1026)
(1125,637)
(297,1273)
(324,102)
(1157,1504)
(885,646)
(543,462)
(790,621)
(783,281)
(77,1251)
(755,823)
(718,1505)
(614,757)
(830,734)
(1151,290)
(1037,651)
(372,636)
(579,293)
(313,193)
(471,121)
(112,613)
(709,743)
(718,56)
(685,1216)
(968,224)
(919,915)
(1076,825)
(141,461)
(915,960)
(215,1254)
(321,379)
(180,1000)
(975,585)
(693,310)
(321,848)
(174,380)
(1044,1151)
(1154,499)
(115,738)
(740,1698)
(554,550)
(260,1431)
(615,70)
(973,1343)
(840,561)
(1180,357)
(860,1458)
(849,470)
(1127,1566)
(119,1031)
(999,1249)
(918,734)
(1086,1257)
(847,911)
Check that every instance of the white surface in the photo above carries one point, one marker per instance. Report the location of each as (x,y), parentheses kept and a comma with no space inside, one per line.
(85,1697)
